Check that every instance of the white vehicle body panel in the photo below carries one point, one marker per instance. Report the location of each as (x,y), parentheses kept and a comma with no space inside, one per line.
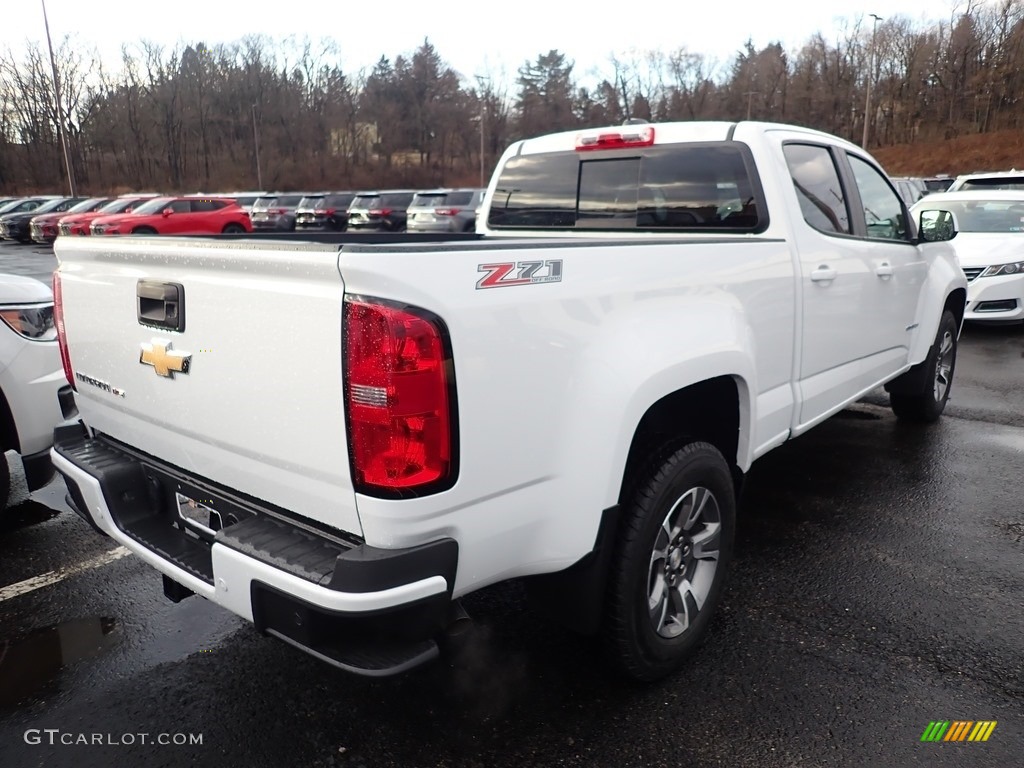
(243,414)
(30,370)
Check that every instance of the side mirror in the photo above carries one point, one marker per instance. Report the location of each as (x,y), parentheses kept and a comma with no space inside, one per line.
(167,212)
(936,226)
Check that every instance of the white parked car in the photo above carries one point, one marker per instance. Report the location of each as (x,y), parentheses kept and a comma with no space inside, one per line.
(34,393)
(988,182)
(990,246)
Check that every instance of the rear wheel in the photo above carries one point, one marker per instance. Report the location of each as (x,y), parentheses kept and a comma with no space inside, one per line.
(927,405)
(143,231)
(233,229)
(669,566)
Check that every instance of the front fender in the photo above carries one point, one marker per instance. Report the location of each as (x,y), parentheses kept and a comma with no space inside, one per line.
(945,277)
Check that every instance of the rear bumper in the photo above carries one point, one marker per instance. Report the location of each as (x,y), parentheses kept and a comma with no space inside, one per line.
(366,610)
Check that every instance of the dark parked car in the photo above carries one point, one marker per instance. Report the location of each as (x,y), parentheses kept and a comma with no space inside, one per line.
(276,211)
(15,226)
(938,183)
(383,210)
(329,212)
(444,210)
(23,204)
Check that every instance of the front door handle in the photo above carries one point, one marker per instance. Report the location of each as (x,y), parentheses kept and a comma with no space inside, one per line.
(823,274)
(884,270)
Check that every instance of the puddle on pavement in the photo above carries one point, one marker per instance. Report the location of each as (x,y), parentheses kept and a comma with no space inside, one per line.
(30,663)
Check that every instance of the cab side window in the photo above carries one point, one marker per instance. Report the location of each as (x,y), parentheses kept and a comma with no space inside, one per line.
(180,206)
(818,189)
(883,211)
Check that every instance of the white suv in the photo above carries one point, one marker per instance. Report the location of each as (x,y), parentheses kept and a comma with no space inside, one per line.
(34,392)
(988,182)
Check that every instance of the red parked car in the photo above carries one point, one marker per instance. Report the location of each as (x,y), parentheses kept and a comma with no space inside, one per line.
(177,216)
(44,228)
(78,224)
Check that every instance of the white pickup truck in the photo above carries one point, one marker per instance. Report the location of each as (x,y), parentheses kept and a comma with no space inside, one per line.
(338,440)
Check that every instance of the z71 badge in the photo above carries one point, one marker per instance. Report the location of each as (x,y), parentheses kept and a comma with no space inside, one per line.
(520,273)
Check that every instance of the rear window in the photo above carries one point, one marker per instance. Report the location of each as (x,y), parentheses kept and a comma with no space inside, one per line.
(287,201)
(334,201)
(437,199)
(695,187)
(366,201)
(1008,183)
(309,202)
(398,200)
(429,200)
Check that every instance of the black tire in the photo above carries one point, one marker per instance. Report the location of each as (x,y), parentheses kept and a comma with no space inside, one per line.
(646,644)
(143,231)
(927,405)
(5,482)
(233,229)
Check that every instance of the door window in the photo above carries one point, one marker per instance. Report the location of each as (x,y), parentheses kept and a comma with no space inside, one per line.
(818,189)
(883,212)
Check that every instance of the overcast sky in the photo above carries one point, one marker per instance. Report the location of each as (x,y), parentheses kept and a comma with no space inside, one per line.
(474,38)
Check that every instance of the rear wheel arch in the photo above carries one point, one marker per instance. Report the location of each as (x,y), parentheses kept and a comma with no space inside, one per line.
(708,411)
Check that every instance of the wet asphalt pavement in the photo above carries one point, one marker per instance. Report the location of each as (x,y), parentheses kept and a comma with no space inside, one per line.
(878,585)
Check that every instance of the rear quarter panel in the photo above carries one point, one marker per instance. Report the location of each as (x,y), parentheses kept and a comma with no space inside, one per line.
(553,378)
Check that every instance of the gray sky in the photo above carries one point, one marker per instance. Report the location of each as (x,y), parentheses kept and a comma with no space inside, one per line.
(474,38)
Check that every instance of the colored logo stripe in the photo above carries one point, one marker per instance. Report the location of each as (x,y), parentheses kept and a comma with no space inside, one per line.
(958,730)
(982,730)
(935,730)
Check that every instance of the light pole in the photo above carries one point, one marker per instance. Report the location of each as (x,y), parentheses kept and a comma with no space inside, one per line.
(256,144)
(871,76)
(61,134)
(750,95)
(482,118)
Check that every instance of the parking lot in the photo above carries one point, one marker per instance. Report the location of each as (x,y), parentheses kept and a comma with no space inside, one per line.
(878,586)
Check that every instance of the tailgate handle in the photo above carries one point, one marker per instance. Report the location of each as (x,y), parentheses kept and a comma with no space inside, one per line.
(161,305)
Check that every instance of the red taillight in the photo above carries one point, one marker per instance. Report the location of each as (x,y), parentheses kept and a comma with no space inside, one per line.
(279,211)
(379,211)
(58,320)
(446,211)
(640,137)
(328,211)
(398,392)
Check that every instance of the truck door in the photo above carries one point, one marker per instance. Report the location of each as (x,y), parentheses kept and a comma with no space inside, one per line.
(897,264)
(835,283)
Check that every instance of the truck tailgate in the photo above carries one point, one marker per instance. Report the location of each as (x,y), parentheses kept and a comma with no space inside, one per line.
(256,402)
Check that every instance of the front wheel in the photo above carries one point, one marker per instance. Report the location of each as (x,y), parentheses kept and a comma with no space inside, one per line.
(143,231)
(669,566)
(927,405)
(233,229)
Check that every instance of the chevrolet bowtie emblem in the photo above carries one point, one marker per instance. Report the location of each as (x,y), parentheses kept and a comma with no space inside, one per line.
(164,360)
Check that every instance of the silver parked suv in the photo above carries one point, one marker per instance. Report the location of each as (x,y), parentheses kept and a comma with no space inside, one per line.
(276,211)
(444,210)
